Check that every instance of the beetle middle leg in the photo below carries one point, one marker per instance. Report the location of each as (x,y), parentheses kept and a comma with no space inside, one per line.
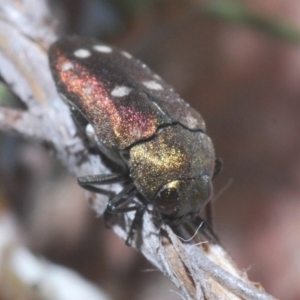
(118,203)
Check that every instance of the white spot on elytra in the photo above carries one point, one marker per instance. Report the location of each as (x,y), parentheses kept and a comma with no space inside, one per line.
(152,85)
(192,122)
(90,131)
(102,48)
(126,54)
(67,66)
(157,76)
(120,91)
(82,53)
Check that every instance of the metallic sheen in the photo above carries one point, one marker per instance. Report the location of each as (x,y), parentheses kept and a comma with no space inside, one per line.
(88,83)
(174,153)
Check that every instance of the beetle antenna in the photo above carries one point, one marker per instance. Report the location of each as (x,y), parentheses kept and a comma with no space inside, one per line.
(193,236)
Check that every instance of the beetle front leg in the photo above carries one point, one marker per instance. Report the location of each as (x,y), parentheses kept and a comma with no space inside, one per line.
(113,205)
(99,179)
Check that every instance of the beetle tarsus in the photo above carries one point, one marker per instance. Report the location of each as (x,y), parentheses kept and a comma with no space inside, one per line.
(136,223)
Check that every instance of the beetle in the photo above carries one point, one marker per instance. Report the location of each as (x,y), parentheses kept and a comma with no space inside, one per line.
(140,123)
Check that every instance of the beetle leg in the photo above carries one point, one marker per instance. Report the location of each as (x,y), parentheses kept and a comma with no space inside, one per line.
(113,205)
(138,218)
(139,211)
(107,214)
(88,182)
(116,206)
(85,181)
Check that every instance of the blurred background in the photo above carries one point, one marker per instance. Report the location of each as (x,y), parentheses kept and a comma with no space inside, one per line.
(238,64)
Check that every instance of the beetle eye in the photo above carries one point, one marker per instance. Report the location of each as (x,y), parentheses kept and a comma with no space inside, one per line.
(167,200)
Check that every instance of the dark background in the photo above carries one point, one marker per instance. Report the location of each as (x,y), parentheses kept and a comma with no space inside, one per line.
(239,66)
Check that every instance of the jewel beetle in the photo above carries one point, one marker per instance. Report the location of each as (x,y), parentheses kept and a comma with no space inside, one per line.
(139,123)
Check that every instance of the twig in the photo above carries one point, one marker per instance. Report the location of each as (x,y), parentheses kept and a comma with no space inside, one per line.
(24,66)
(24,276)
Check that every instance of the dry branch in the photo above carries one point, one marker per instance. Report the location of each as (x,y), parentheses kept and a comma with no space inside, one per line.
(201,271)
(25,276)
